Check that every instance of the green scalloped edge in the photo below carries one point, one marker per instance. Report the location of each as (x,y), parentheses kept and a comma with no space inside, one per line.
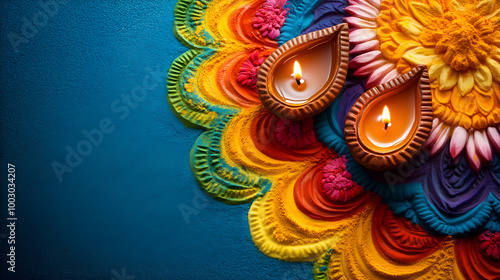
(320,267)
(232,185)
(198,111)
(188,14)
(226,183)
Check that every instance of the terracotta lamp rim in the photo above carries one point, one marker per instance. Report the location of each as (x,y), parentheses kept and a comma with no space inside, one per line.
(377,160)
(326,97)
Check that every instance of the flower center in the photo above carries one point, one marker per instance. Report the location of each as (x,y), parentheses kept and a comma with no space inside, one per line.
(463,37)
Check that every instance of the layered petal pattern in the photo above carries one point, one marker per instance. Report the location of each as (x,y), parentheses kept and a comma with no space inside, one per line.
(310,200)
(456,40)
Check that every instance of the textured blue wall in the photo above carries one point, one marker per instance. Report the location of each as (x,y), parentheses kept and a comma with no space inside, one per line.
(119,205)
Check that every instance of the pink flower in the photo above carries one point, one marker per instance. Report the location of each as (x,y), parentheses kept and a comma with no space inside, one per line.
(295,135)
(491,243)
(337,183)
(270,18)
(249,70)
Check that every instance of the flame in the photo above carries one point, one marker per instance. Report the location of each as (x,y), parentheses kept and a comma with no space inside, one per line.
(386,116)
(297,72)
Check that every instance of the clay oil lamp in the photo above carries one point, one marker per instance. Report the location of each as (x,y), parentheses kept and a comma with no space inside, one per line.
(388,124)
(303,76)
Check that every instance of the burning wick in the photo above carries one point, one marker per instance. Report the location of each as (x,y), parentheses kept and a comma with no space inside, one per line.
(386,117)
(297,74)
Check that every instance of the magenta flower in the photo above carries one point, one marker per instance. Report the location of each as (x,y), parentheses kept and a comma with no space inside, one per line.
(249,70)
(491,243)
(270,18)
(295,135)
(337,183)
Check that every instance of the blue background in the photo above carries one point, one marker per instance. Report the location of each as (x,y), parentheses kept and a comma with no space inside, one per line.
(118,208)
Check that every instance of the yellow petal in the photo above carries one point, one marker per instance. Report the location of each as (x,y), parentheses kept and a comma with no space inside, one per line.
(479,122)
(448,78)
(423,13)
(456,6)
(492,16)
(494,67)
(483,77)
(384,17)
(484,7)
(442,96)
(485,102)
(384,34)
(468,105)
(465,82)
(494,117)
(436,8)
(420,55)
(465,122)
(455,100)
(395,14)
(399,37)
(496,90)
(435,70)
(403,67)
(401,6)
(495,53)
(388,48)
(410,27)
(438,109)
(403,48)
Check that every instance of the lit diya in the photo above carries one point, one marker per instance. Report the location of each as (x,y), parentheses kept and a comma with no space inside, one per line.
(303,76)
(388,124)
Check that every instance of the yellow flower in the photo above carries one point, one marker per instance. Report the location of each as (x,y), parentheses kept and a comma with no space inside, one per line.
(458,41)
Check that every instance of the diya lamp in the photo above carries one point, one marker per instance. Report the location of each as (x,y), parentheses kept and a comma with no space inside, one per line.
(303,76)
(388,124)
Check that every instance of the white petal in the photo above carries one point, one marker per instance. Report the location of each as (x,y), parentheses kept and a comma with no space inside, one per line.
(391,75)
(375,3)
(458,141)
(483,147)
(362,35)
(378,75)
(494,137)
(435,123)
(365,47)
(433,136)
(356,22)
(362,12)
(365,58)
(441,141)
(369,68)
(472,157)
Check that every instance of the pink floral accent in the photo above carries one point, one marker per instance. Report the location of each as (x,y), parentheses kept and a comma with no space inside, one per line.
(491,243)
(295,135)
(249,70)
(270,18)
(337,183)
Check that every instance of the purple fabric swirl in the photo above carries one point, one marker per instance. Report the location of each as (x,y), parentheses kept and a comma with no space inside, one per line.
(454,188)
